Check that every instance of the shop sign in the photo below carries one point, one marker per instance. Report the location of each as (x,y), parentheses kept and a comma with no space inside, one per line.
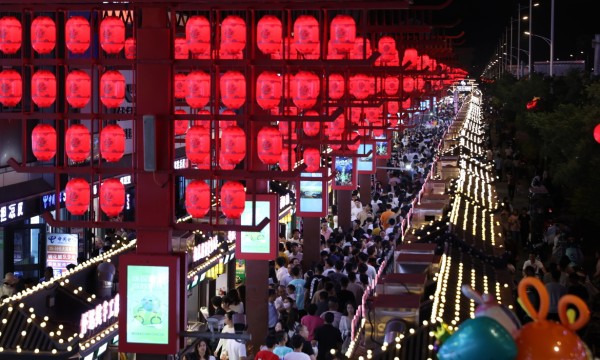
(180,164)
(205,249)
(11,211)
(49,200)
(61,250)
(100,315)
(284,201)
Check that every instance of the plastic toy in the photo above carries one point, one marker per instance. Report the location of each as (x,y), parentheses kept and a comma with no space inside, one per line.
(488,306)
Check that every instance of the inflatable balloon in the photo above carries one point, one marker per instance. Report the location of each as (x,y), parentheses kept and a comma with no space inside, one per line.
(488,306)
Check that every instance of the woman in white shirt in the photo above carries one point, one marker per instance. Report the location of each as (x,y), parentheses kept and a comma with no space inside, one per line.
(346,320)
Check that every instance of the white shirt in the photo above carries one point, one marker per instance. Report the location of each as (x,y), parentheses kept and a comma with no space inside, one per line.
(537,265)
(235,349)
(296,356)
(281,273)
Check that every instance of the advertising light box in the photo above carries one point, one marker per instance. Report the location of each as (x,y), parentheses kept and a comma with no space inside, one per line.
(312,195)
(258,245)
(345,173)
(365,164)
(61,250)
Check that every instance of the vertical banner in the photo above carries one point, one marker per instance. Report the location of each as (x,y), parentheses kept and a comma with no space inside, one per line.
(258,245)
(240,273)
(312,195)
(345,173)
(61,250)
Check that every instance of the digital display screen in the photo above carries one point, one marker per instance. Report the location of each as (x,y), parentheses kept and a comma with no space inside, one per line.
(256,242)
(365,164)
(311,193)
(344,176)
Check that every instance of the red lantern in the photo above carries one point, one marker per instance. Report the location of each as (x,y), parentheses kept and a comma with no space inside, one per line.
(355,115)
(312,159)
(393,107)
(268,90)
(343,33)
(181,126)
(337,126)
(233,34)
(11,87)
(332,53)
(354,141)
(197,33)
(306,34)
(377,128)
(425,61)
(392,83)
(181,49)
(311,128)
(77,194)
(225,164)
(112,89)
(386,46)
(233,199)
(197,198)
(269,34)
(112,143)
(112,34)
(43,88)
(43,34)
(334,142)
(360,86)
(233,144)
(227,123)
(78,88)
(336,86)
(197,144)
(410,55)
(357,52)
(112,197)
(408,85)
(305,89)
(269,145)
(130,49)
(233,89)
(10,35)
(197,86)
(597,133)
(285,161)
(180,87)
(43,142)
(284,127)
(78,143)
(373,113)
(77,34)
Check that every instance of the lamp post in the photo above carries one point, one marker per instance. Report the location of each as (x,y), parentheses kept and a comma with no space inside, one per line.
(549,42)
(551,37)
(530,30)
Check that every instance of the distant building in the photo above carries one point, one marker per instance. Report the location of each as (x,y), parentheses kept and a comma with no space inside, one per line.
(559,68)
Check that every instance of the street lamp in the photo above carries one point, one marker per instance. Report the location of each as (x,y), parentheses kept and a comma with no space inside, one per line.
(531,5)
(550,43)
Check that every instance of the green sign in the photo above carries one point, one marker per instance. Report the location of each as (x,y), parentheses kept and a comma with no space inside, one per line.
(240,273)
(258,242)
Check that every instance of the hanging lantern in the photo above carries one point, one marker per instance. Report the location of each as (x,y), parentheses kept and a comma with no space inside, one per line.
(337,126)
(43,88)
(233,199)
(11,35)
(197,144)
(197,33)
(233,34)
(269,34)
(393,107)
(233,144)
(112,143)
(332,53)
(377,128)
(112,197)
(305,89)
(197,85)
(227,123)
(112,34)
(77,34)
(43,34)
(357,52)
(354,141)
(386,46)
(78,88)
(179,86)
(130,49)
(181,126)
(268,90)
(391,85)
(343,33)
(225,164)
(43,142)
(336,86)
(408,84)
(360,86)
(373,113)
(393,121)
(410,55)
(197,198)
(312,159)
(233,89)
(112,89)
(269,145)
(355,115)
(11,87)
(597,133)
(285,161)
(77,196)
(284,127)
(181,49)
(426,62)
(306,34)
(78,143)
(334,142)
(311,128)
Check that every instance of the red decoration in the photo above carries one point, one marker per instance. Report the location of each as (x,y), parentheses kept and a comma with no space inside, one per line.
(233,89)
(597,133)
(411,55)
(179,86)
(360,86)
(343,33)
(233,199)
(393,107)
(43,142)
(77,34)
(181,49)
(112,89)
(311,128)
(77,193)
(11,35)
(334,142)
(305,89)
(336,86)
(354,141)
(531,105)
(112,143)
(43,88)
(285,125)
(285,161)
(268,90)
(11,87)
(197,198)
(391,86)
(306,34)
(78,143)
(357,52)
(425,61)
(386,46)
(43,34)
(197,85)
(197,144)
(408,85)
(233,34)
(197,33)
(112,34)
(181,126)
(233,144)
(78,88)
(337,126)
(130,49)
(312,159)
(227,123)
(269,34)
(269,145)
(224,164)
(112,197)
(332,53)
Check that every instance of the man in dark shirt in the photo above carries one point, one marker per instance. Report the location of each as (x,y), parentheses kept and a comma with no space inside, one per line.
(328,337)
(307,348)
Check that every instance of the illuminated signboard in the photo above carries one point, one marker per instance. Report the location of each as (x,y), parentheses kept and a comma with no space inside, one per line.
(345,173)
(365,165)
(99,317)
(61,250)
(382,148)
(11,212)
(258,245)
(312,195)
(205,249)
